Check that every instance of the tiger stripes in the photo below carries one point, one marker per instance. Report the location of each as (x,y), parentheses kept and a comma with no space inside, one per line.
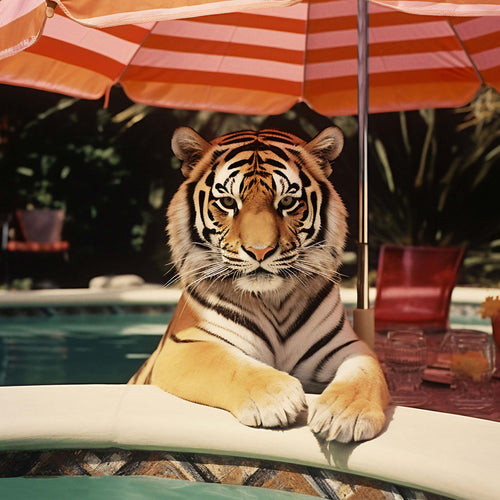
(256,233)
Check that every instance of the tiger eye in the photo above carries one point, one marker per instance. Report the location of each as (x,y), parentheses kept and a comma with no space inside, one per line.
(287,202)
(228,202)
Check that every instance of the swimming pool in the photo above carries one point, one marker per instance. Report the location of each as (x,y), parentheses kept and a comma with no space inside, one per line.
(105,348)
(133,488)
(75,344)
(79,337)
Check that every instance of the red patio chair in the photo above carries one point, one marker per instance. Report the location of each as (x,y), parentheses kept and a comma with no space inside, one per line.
(36,232)
(40,230)
(414,286)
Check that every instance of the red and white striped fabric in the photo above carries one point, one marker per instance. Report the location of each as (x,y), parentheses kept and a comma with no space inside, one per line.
(264,61)
(22,21)
(444,7)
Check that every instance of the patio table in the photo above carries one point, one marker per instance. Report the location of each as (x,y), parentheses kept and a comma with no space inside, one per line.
(439,393)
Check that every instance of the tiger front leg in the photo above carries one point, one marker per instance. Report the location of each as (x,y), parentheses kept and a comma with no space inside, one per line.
(351,408)
(211,373)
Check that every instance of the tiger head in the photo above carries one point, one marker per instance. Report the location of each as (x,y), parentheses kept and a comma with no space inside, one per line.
(256,212)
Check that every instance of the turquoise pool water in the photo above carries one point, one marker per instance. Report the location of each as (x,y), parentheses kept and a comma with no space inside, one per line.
(74,346)
(77,348)
(132,488)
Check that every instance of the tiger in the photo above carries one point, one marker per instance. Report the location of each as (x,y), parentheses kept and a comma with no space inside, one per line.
(256,233)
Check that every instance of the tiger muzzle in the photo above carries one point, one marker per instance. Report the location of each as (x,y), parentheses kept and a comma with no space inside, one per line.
(258,253)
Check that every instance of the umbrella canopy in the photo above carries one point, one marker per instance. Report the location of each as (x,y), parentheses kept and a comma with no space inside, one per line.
(257,62)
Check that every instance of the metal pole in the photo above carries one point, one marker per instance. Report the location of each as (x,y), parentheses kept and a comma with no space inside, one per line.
(363,298)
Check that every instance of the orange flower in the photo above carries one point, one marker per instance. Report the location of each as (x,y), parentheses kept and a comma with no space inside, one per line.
(490,307)
(470,363)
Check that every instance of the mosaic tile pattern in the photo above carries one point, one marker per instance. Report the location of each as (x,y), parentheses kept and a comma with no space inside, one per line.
(320,483)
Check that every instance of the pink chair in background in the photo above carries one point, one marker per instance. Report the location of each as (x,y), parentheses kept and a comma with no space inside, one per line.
(39,231)
(414,286)
(36,232)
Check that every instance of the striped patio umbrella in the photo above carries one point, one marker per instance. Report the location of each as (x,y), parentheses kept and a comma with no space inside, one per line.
(258,62)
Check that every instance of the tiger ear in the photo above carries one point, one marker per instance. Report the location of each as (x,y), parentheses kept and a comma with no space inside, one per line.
(325,147)
(189,147)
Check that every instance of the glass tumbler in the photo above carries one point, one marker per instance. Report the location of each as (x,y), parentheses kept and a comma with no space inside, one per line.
(472,365)
(405,359)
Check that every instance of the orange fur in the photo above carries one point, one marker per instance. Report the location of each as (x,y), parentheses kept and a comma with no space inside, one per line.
(229,344)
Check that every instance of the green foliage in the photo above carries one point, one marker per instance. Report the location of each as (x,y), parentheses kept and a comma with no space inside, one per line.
(434,180)
(437,186)
(433,175)
(75,155)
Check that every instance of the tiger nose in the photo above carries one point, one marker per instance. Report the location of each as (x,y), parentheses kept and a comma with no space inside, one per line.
(259,253)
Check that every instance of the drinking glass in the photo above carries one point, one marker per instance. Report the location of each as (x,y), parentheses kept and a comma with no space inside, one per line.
(405,359)
(472,365)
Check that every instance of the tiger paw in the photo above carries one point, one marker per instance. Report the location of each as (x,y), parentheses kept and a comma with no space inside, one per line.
(273,401)
(344,413)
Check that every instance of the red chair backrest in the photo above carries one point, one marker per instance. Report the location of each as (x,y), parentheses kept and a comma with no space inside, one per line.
(44,226)
(414,285)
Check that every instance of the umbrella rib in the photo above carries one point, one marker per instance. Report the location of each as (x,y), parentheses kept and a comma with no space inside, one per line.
(459,39)
(139,47)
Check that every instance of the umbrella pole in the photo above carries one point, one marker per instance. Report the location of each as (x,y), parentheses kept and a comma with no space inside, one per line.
(363,316)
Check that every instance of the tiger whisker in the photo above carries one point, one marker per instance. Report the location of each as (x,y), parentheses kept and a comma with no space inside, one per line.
(315,269)
(216,271)
(203,272)
(290,272)
(188,274)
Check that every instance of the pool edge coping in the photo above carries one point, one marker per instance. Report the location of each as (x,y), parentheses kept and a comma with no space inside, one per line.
(442,453)
(159,295)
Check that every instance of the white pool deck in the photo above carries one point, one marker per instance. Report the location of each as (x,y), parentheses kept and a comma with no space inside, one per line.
(447,454)
(159,295)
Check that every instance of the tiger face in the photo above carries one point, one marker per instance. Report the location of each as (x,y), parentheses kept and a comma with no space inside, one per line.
(256,212)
